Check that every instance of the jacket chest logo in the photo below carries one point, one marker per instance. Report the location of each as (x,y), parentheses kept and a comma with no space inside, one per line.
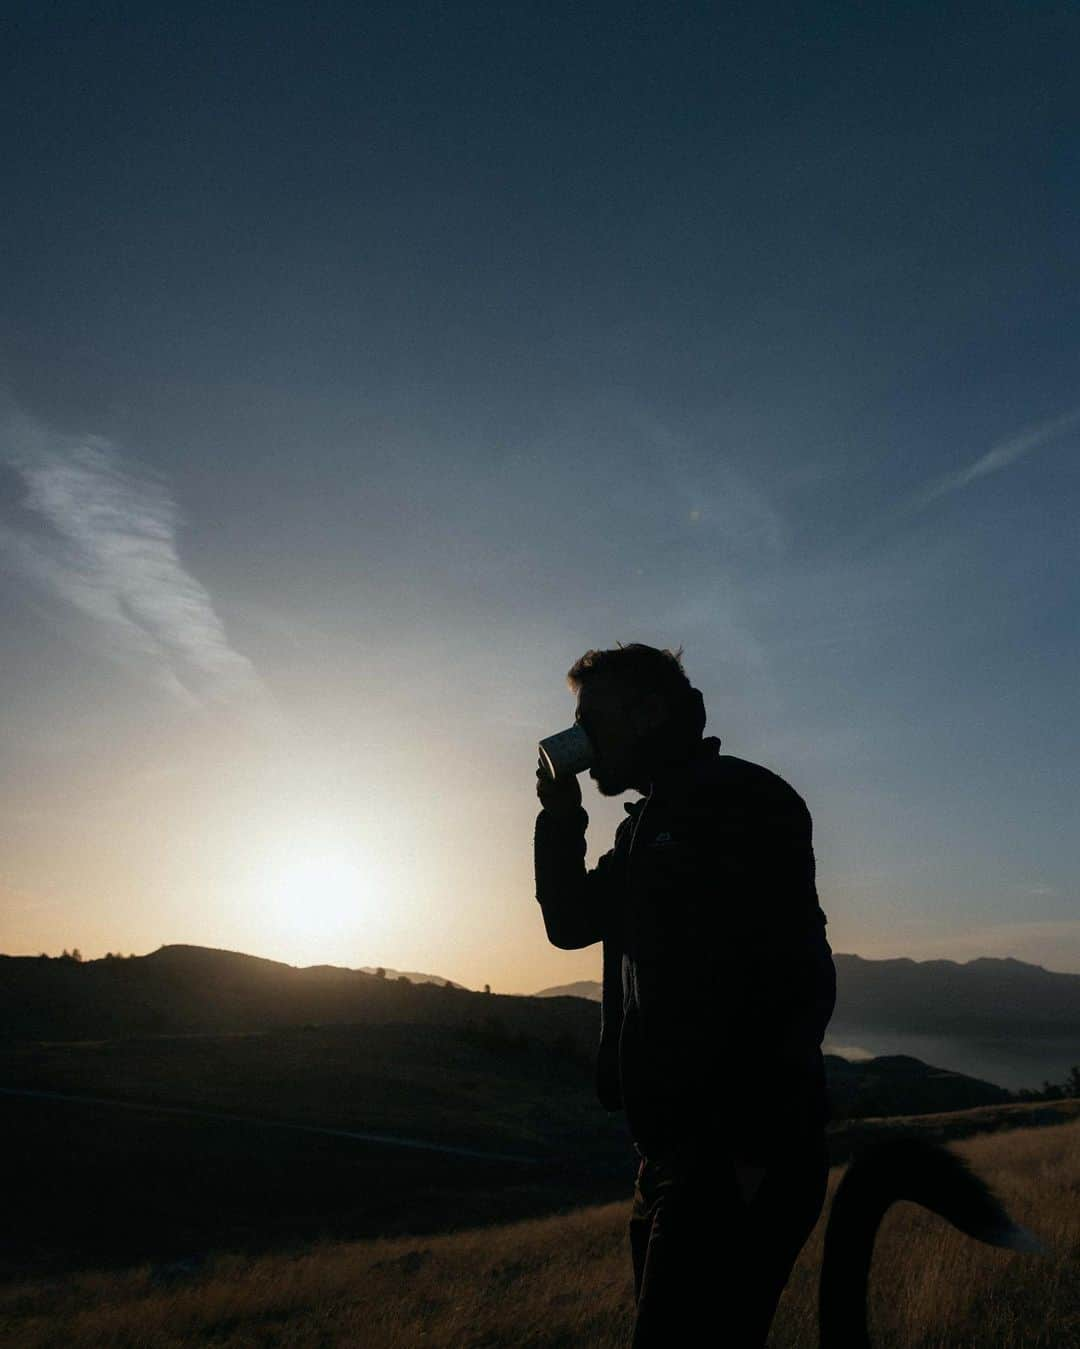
(662,839)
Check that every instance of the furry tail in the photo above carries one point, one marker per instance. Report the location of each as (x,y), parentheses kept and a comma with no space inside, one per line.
(879,1174)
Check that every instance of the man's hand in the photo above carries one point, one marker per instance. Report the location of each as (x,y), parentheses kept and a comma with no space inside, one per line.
(559,795)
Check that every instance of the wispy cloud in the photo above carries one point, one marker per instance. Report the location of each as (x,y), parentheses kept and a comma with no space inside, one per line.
(998,457)
(104,541)
(871,531)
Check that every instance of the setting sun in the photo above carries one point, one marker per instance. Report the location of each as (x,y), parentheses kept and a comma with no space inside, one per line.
(316,893)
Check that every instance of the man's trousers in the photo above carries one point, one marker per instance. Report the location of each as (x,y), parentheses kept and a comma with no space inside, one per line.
(709,1266)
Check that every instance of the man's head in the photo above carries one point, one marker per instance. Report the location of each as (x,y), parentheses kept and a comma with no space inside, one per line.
(639,710)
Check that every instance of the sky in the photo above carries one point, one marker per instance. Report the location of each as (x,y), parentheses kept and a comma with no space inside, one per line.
(362,366)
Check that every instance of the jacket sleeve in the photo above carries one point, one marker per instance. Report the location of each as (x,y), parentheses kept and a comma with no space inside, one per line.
(576,903)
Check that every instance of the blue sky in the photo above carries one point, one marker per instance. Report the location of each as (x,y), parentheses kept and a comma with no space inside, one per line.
(365,365)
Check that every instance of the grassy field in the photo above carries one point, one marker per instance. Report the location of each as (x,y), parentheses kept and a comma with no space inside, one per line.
(564,1280)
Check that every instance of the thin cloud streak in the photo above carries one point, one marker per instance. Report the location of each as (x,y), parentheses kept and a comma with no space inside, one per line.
(108,549)
(1000,456)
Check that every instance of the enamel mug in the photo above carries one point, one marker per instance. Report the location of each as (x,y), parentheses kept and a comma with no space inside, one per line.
(567,753)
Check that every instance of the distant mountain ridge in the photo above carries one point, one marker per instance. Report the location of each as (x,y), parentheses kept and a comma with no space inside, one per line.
(986,996)
(413,976)
(584,988)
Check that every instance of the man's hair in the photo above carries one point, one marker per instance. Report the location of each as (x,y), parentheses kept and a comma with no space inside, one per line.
(636,670)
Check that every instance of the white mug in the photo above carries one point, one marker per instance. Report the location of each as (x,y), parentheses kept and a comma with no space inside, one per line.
(567,753)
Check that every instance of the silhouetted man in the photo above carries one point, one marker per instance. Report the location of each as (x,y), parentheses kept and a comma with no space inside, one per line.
(718,985)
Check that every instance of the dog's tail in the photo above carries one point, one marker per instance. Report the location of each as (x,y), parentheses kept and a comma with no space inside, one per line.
(878,1175)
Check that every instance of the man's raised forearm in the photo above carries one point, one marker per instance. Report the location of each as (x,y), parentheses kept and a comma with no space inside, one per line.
(575,902)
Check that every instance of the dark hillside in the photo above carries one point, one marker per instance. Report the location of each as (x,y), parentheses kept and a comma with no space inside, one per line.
(182,989)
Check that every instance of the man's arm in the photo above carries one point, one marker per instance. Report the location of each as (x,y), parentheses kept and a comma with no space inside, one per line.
(576,903)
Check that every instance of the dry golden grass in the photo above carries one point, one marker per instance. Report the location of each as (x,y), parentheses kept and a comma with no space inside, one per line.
(565,1281)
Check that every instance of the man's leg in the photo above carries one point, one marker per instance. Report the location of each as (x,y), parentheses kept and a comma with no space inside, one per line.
(708,1267)
(781,1217)
(672,1242)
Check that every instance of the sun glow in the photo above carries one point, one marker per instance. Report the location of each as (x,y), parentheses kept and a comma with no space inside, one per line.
(323,900)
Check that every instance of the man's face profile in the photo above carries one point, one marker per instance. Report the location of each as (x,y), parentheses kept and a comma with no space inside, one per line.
(615,720)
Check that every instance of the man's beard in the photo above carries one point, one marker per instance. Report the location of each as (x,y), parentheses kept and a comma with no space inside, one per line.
(612,783)
(605,781)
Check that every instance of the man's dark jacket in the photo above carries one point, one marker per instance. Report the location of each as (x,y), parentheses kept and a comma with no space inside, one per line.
(718,977)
